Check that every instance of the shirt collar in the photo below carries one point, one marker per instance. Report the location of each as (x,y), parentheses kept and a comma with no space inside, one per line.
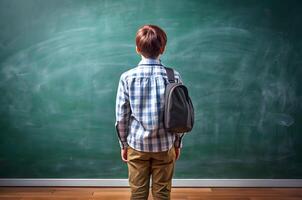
(150,61)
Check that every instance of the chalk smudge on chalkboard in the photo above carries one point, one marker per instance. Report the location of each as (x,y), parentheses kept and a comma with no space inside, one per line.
(282,119)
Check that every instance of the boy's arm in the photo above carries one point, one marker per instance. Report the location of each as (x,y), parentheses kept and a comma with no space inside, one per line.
(123,112)
(178,140)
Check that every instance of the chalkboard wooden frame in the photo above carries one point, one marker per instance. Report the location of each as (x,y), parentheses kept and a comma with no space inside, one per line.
(175,182)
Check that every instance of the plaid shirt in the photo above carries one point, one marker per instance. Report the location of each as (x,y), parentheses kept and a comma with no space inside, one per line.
(140,106)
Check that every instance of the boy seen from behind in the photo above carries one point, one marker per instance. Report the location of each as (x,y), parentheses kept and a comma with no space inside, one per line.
(147,148)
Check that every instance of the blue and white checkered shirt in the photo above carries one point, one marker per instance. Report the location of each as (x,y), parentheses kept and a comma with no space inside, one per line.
(140,108)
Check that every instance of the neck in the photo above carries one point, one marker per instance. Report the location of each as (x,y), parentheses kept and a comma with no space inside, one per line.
(151,58)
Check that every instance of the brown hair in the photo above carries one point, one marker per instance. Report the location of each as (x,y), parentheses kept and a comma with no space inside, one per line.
(151,41)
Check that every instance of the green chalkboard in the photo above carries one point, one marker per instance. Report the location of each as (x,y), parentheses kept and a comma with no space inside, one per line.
(60,62)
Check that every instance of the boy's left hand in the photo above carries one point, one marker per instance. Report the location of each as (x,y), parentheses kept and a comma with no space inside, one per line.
(177,153)
(124,154)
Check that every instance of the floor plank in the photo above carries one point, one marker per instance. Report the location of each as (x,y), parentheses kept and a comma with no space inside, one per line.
(104,193)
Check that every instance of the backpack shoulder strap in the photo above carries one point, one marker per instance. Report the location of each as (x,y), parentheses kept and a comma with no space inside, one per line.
(170,74)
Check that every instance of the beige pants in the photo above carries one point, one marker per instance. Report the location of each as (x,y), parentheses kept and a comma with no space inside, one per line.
(141,165)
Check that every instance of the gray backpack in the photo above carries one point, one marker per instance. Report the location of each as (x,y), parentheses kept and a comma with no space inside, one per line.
(179,111)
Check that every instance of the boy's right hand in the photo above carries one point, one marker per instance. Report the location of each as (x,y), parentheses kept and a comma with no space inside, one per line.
(124,154)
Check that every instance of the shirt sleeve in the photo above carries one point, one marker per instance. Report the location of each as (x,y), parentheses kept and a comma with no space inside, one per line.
(123,112)
(178,77)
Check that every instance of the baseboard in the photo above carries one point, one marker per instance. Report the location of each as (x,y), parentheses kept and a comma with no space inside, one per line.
(175,182)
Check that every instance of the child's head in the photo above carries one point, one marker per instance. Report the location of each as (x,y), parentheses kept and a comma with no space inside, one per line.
(150,41)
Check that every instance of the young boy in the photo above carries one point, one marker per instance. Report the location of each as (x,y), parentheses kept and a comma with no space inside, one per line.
(146,147)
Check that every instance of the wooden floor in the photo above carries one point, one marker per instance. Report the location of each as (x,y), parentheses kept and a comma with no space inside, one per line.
(98,193)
